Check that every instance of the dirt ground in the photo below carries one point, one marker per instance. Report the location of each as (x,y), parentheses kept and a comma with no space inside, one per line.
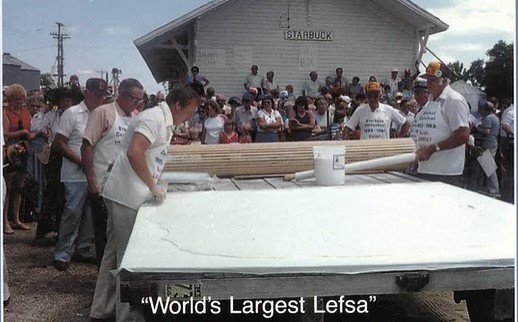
(40,293)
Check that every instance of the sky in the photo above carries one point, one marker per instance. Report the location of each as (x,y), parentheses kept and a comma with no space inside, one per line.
(102,32)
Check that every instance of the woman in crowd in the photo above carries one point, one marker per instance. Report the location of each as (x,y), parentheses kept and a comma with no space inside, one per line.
(213,125)
(197,121)
(269,84)
(16,126)
(269,122)
(301,120)
(54,193)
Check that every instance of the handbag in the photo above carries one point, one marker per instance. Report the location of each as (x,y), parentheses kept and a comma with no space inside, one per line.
(44,155)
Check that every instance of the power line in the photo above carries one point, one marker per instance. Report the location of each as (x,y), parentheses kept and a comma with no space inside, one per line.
(60,37)
(29,49)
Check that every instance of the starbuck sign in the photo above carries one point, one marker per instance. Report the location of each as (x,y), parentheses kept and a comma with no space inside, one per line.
(308,35)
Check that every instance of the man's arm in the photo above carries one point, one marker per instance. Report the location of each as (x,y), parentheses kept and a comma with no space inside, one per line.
(87,157)
(404,129)
(458,138)
(207,82)
(351,125)
(482,129)
(245,84)
(62,144)
(347,133)
(509,129)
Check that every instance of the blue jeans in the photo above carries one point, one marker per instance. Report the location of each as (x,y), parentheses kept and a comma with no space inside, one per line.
(76,227)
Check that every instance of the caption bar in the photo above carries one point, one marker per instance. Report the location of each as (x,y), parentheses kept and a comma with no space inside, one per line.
(267,308)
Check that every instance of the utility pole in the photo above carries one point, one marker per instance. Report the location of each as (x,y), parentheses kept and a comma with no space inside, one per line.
(102,72)
(115,81)
(60,37)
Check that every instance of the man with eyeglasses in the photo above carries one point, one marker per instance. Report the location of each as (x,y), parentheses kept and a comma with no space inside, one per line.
(442,128)
(375,118)
(104,130)
(101,139)
(75,231)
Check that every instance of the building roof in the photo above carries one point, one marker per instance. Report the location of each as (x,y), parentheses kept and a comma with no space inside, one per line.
(11,60)
(405,10)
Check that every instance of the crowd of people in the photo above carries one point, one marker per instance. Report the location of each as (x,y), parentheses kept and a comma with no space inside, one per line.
(81,161)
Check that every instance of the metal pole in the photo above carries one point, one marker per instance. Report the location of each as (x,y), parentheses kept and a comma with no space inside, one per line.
(60,37)
(451,70)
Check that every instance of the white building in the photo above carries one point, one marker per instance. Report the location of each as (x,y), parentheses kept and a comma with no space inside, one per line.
(290,37)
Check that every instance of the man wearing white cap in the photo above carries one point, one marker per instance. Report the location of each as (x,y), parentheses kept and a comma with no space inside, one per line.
(442,128)
(393,82)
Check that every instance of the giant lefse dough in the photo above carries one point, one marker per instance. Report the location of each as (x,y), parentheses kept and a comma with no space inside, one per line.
(351,227)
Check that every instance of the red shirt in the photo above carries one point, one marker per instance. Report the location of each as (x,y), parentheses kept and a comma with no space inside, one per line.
(226,139)
(19,120)
(15,118)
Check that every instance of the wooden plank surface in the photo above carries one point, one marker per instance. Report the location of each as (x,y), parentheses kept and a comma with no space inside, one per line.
(252,184)
(279,183)
(391,178)
(224,184)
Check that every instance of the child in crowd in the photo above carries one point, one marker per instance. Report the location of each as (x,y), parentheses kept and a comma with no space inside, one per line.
(228,135)
(244,134)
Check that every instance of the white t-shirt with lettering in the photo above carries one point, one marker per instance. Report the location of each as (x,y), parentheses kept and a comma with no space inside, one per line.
(375,124)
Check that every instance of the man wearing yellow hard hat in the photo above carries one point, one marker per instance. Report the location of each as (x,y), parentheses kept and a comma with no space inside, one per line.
(442,128)
(375,118)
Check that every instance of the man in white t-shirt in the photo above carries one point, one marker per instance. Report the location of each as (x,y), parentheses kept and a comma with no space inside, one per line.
(375,118)
(312,86)
(133,178)
(442,128)
(75,229)
(254,80)
(393,82)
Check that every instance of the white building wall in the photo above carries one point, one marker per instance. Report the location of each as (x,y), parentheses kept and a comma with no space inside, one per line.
(244,32)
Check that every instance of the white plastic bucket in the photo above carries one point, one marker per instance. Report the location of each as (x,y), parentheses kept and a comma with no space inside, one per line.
(329,165)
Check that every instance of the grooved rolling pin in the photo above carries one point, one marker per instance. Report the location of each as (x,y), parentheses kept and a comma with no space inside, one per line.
(359,166)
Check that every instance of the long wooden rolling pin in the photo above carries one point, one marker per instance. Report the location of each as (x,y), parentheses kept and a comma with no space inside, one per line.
(262,159)
(359,166)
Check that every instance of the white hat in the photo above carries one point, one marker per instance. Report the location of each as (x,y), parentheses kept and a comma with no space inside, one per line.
(345,98)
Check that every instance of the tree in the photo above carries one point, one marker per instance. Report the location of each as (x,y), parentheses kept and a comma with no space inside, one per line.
(46,80)
(458,71)
(476,72)
(499,80)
